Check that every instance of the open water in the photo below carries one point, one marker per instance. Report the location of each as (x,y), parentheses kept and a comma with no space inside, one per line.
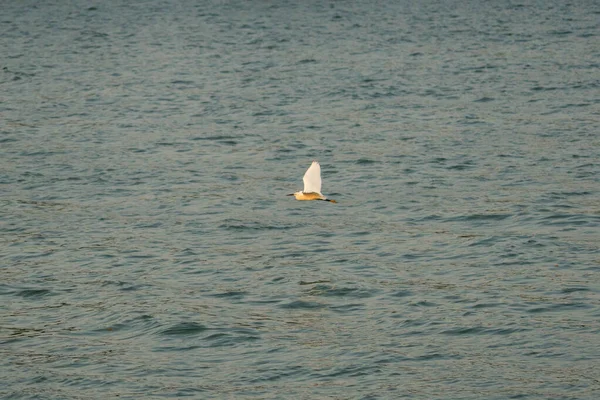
(148,249)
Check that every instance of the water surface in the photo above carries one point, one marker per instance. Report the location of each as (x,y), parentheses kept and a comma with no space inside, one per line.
(149,250)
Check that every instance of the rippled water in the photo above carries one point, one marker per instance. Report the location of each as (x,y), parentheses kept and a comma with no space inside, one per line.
(149,250)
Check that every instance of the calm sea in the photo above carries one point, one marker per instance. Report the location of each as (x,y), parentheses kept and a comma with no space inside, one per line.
(148,249)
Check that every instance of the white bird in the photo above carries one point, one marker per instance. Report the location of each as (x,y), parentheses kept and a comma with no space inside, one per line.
(312,185)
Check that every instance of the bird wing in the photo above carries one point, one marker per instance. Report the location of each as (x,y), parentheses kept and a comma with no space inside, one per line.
(312,178)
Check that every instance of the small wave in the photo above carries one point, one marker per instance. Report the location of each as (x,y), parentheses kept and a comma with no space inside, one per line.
(34,293)
(302,305)
(480,217)
(479,330)
(186,328)
(251,226)
(330,291)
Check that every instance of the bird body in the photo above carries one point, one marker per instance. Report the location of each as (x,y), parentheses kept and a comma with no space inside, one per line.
(312,185)
(308,196)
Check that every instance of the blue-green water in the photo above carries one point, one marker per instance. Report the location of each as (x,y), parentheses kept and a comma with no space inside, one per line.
(149,251)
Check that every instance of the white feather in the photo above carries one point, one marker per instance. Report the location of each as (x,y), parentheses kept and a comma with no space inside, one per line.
(312,178)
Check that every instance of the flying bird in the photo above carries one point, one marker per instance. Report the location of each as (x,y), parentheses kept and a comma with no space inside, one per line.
(312,185)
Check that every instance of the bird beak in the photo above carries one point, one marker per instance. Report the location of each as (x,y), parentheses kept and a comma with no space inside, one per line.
(291,194)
